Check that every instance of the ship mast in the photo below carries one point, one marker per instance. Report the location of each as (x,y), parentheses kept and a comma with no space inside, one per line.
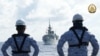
(49,28)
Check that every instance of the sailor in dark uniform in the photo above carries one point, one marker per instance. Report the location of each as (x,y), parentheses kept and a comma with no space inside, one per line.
(78,39)
(20,43)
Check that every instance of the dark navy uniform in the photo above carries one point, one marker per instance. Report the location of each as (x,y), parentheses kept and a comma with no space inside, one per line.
(76,47)
(20,45)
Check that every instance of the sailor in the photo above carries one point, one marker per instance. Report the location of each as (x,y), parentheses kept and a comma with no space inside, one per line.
(20,42)
(78,39)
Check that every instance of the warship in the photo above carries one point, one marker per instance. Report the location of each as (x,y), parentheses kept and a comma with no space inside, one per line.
(50,37)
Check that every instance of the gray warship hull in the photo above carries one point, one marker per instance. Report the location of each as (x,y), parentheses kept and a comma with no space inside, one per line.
(50,41)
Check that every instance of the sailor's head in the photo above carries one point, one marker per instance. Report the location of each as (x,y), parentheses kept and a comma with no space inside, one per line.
(77,20)
(20,26)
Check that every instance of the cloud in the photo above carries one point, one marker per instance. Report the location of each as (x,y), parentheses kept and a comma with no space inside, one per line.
(47,9)
(36,14)
(22,12)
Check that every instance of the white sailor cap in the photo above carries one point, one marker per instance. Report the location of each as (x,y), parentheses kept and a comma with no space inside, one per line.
(20,22)
(77,17)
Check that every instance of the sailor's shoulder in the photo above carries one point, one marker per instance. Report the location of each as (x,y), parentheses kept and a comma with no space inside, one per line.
(30,38)
(13,35)
(89,33)
(9,40)
(26,34)
(67,32)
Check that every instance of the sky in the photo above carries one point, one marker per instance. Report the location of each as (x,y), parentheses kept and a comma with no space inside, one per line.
(36,14)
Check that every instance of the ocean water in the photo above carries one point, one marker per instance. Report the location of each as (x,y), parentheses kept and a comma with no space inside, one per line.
(48,50)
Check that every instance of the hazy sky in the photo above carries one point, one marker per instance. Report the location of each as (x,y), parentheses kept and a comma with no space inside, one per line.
(36,14)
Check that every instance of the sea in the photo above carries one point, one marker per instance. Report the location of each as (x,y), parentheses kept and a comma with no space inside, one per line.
(48,50)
